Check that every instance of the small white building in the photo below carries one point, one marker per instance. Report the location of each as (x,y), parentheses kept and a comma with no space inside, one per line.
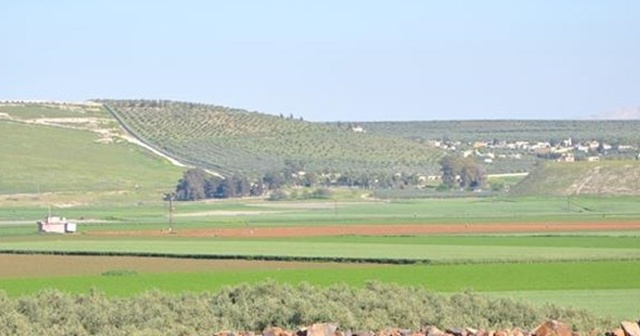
(56,224)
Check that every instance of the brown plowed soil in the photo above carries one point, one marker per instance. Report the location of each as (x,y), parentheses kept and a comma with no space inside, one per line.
(17,265)
(381,230)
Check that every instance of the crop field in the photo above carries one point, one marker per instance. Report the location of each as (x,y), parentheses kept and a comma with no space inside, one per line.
(581,252)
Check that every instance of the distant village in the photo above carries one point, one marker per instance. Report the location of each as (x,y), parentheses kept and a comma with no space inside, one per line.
(565,150)
(562,151)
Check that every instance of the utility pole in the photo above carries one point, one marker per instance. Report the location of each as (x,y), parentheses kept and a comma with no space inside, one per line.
(170,197)
(170,214)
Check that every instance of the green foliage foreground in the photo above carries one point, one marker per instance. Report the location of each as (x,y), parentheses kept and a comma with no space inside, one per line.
(254,307)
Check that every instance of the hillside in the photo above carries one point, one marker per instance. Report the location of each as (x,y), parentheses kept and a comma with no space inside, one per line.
(623,131)
(74,148)
(230,140)
(582,178)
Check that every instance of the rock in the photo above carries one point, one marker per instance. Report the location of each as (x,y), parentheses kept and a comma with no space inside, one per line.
(224,333)
(471,331)
(616,332)
(456,331)
(630,328)
(389,332)
(322,329)
(433,331)
(552,328)
(275,331)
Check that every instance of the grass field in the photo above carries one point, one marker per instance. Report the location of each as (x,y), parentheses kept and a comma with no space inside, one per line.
(340,212)
(540,283)
(330,250)
(38,159)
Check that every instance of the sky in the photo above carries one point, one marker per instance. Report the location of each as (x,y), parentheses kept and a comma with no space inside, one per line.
(331,60)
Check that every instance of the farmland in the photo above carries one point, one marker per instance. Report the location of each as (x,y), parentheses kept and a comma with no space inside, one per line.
(516,258)
(565,248)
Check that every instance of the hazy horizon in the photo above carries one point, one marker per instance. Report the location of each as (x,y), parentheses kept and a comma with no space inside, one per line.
(333,61)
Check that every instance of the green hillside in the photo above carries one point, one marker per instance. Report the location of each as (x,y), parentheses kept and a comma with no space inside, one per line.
(74,148)
(238,141)
(582,178)
(613,131)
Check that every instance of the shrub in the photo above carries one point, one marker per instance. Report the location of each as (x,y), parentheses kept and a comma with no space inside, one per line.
(254,307)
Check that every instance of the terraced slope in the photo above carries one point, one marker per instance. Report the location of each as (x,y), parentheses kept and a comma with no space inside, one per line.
(582,178)
(74,148)
(237,141)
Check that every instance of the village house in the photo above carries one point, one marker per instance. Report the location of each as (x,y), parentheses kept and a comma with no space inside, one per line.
(56,224)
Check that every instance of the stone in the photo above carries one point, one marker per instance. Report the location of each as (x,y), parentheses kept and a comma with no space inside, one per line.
(552,328)
(630,328)
(322,329)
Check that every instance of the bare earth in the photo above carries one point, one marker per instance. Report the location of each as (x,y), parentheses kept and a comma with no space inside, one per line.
(15,265)
(381,230)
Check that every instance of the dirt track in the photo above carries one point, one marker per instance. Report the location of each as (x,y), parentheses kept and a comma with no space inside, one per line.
(381,230)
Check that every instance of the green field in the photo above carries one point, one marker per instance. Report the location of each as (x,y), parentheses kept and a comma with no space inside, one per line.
(39,159)
(348,211)
(540,282)
(329,250)
(507,277)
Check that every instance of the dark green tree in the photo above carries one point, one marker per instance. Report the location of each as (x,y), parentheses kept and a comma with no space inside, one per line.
(191,186)
(459,172)
(450,167)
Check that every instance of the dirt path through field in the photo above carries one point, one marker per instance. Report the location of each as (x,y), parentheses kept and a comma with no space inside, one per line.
(381,230)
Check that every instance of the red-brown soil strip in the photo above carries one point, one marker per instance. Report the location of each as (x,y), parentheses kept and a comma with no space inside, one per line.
(382,230)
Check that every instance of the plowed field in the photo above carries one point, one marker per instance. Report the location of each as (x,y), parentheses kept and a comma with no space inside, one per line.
(12,265)
(381,230)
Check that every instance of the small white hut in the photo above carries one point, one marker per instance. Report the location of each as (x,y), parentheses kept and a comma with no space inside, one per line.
(56,224)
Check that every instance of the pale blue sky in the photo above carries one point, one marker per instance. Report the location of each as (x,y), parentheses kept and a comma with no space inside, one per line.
(331,60)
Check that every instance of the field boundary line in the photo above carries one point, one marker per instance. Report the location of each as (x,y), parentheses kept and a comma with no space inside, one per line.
(387,261)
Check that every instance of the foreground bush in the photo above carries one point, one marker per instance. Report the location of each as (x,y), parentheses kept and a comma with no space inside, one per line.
(254,307)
